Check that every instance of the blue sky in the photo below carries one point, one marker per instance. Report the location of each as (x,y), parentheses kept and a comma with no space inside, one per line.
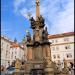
(58,14)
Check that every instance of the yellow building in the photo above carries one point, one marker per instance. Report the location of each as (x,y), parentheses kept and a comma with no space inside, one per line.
(62,46)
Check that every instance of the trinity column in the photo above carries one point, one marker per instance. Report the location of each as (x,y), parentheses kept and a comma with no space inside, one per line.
(38,46)
(38,49)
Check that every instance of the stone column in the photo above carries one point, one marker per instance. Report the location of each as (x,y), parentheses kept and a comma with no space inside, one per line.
(29,53)
(37,53)
(46,51)
(37,9)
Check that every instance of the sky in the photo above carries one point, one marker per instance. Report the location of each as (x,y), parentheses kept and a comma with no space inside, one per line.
(58,14)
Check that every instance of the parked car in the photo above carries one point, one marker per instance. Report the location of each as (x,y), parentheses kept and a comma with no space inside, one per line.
(10,71)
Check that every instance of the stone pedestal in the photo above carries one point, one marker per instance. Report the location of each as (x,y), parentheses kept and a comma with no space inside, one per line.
(49,67)
(29,53)
(34,67)
(65,71)
(17,66)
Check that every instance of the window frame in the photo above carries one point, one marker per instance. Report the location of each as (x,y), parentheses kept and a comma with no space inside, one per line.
(69,55)
(67,47)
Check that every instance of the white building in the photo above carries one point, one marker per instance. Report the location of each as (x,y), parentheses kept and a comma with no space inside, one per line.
(5,51)
(23,45)
(16,51)
(62,47)
(10,51)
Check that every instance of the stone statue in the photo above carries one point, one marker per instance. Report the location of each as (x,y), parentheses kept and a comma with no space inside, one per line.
(45,34)
(41,19)
(32,22)
(28,36)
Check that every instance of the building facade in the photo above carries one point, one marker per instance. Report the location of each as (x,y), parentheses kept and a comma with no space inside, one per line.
(5,51)
(16,51)
(10,50)
(62,47)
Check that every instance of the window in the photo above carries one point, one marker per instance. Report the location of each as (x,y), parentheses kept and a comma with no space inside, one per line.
(15,52)
(6,52)
(67,47)
(8,62)
(12,55)
(54,56)
(53,48)
(69,55)
(56,41)
(57,48)
(52,41)
(66,39)
(2,44)
(15,57)
(12,52)
(7,46)
(58,56)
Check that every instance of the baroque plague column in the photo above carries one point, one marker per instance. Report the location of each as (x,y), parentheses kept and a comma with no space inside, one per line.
(38,48)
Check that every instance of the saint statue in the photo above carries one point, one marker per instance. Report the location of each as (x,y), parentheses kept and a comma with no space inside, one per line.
(41,20)
(45,34)
(28,36)
(32,22)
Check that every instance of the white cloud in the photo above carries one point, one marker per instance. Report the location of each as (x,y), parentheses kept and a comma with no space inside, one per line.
(64,21)
(17,3)
(59,14)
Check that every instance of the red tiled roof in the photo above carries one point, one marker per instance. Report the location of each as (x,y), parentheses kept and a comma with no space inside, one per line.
(14,45)
(60,35)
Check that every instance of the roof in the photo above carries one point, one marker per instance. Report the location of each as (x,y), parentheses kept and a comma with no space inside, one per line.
(15,45)
(61,35)
(6,39)
(12,43)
